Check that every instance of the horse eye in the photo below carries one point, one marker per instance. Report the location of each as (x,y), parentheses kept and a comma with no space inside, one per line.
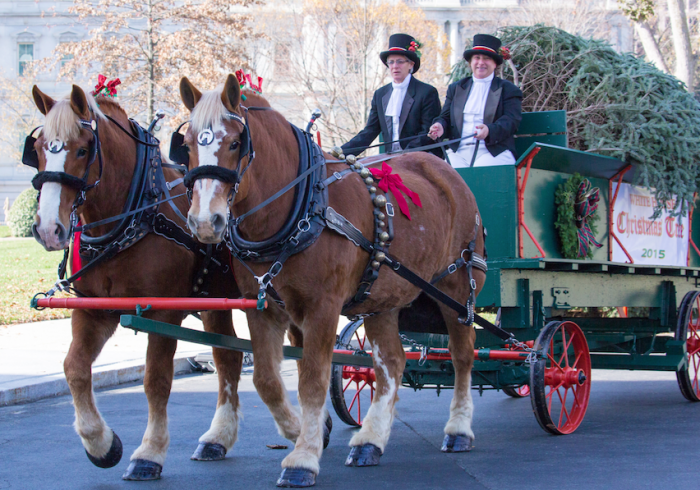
(235,145)
(81,152)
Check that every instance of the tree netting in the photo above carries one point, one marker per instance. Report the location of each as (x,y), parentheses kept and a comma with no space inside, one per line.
(617,105)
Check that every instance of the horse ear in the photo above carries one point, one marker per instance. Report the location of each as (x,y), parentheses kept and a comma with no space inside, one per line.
(189,93)
(79,103)
(43,102)
(231,96)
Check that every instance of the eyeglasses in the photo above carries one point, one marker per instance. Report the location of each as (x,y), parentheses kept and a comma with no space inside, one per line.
(396,62)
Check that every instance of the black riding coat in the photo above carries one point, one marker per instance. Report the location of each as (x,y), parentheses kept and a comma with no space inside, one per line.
(502,114)
(420,106)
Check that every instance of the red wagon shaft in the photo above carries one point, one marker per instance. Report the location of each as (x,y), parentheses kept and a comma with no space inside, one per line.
(185,304)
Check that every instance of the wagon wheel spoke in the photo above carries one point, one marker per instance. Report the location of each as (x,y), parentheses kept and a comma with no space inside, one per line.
(355,397)
(350,381)
(565,347)
(563,407)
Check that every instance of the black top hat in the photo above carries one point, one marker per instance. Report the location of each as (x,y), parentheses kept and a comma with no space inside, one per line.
(405,45)
(485,44)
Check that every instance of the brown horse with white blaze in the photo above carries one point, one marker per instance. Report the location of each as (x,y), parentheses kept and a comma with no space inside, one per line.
(317,282)
(154,266)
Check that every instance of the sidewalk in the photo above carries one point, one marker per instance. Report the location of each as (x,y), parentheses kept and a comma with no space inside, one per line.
(32,354)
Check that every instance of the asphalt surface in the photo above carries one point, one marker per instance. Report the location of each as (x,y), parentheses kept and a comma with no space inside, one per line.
(639,432)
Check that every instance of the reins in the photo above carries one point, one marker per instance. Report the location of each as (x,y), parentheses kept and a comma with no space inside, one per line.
(432,146)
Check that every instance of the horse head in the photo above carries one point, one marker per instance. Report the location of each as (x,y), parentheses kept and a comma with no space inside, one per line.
(217,141)
(64,153)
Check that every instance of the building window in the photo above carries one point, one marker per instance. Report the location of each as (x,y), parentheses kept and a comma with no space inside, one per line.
(283,61)
(352,59)
(26,56)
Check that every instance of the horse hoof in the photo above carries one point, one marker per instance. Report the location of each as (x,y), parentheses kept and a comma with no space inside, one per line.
(113,456)
(296,478)
(207,451)
(459,443)
(142,470)
(367,455)
(327,431)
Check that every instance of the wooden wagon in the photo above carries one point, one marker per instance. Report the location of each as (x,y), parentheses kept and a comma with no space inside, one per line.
(535,291)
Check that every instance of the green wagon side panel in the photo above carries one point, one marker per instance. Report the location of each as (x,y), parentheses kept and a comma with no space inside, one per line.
(542,122)
(495,191)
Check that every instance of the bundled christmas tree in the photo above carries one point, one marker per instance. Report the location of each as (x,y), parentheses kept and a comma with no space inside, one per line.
(617,105)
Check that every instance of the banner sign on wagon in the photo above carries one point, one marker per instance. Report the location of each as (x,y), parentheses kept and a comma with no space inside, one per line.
(663,241)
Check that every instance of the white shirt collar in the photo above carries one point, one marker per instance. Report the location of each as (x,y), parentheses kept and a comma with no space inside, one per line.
(402,85)
(488,79)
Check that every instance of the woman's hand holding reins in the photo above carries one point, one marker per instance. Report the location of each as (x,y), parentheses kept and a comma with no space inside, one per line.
(435,131)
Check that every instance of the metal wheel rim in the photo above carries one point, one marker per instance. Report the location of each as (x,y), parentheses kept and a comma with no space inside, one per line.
(688,330)
(559,397)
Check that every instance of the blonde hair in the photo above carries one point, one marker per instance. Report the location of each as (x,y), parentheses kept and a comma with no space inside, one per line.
(208,111)
(63,123)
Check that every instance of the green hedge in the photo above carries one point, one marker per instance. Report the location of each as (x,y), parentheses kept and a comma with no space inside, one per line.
(21,215)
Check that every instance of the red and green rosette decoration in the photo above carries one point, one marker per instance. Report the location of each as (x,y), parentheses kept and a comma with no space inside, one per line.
(505,53)
(105,88)
(414,46)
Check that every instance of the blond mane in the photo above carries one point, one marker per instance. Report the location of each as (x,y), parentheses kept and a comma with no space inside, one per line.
(62,122)
(208,111)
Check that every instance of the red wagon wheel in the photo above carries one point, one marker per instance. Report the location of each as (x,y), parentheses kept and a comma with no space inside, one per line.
(352,387)
(688,330)
(560,382)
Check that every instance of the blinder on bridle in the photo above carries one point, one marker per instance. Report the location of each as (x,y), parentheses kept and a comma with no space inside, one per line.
(180,154)
(31,159)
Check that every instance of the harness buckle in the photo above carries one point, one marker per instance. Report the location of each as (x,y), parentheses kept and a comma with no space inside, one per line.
(452,268)
(472,283)
(389,209)
(275,269)
(337,175)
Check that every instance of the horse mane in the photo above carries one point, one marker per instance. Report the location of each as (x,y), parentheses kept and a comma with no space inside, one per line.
(63,123)
(211,110)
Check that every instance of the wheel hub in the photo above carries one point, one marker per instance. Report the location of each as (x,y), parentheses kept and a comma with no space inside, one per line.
(359,374)
(565,377)
(693,345)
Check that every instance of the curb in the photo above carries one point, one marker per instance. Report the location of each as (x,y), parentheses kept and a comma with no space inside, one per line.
(105,378)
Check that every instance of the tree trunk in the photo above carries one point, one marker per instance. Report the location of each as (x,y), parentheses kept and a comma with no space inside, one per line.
(681,42)
(651,47)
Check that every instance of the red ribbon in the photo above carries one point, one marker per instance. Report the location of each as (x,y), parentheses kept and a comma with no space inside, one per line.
(258,87)
(112,86)
(76,262)
(101,79)
(241,78)
(244,78)
(389,182)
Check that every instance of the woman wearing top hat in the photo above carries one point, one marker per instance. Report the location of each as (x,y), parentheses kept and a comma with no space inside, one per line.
(482,104)
(406,107)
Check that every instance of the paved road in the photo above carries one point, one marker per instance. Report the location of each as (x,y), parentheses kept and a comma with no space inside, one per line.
(639,433)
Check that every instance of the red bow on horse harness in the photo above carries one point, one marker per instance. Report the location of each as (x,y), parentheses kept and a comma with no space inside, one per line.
(389,182)
(244,78)
(110,89)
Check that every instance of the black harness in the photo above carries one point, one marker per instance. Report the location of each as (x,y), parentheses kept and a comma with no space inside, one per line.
(310,214)
(141,214)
